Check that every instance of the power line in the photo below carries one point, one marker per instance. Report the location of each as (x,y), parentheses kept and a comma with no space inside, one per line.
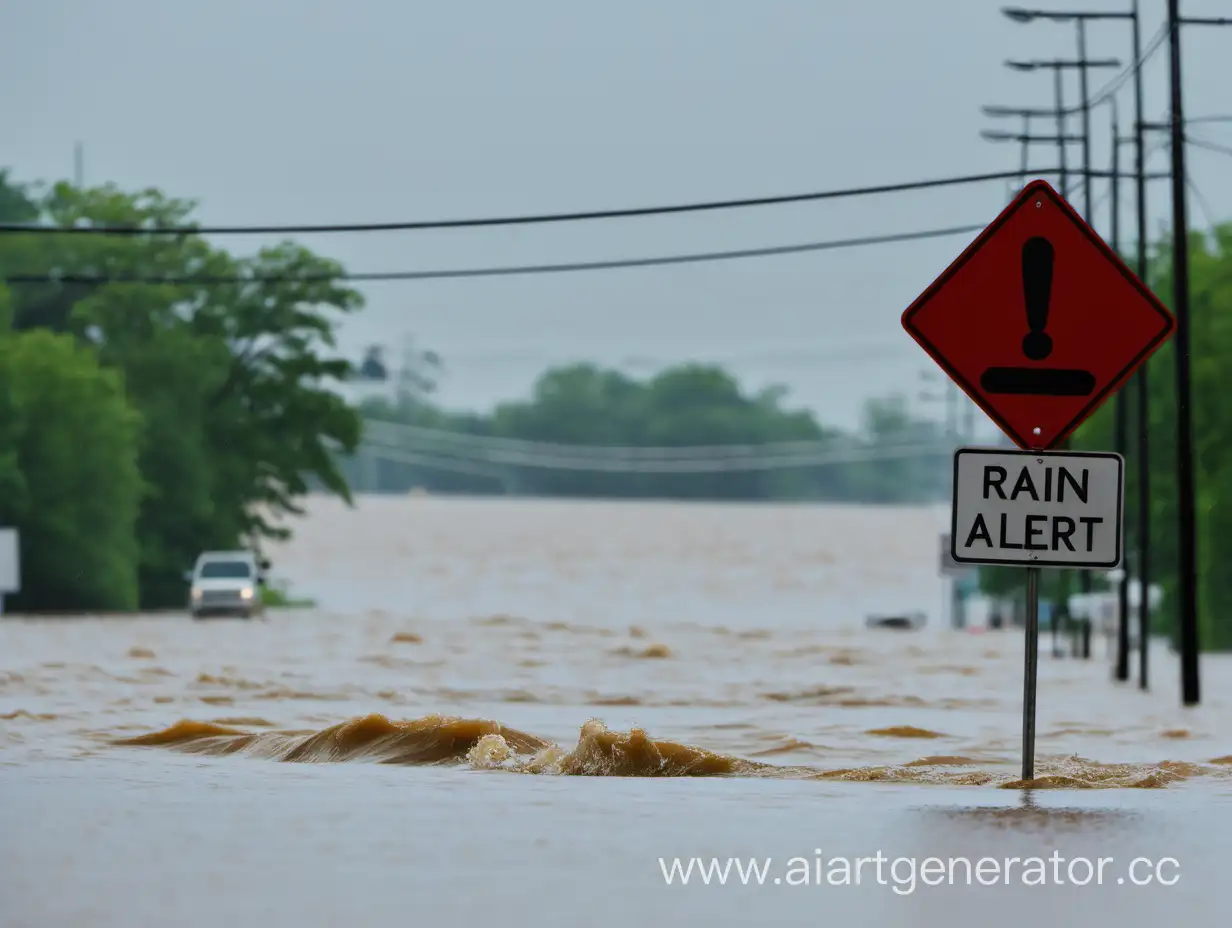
(396,431)
(1207,212)
(385,276)
(684,466)
(1159,145)
(434,462)
(527,219)
(1209,146)
(1114,86)
(497,449)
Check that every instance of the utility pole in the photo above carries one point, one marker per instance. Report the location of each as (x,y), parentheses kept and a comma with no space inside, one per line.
(1058,112)
(79,166)
(1059,102)
(1122,412)
(1088,210)
(1187,543)
(1026,151)
(1144,395)
(1187,573)
(951,410)
(1082,64)
(1057,66)
(1026,138)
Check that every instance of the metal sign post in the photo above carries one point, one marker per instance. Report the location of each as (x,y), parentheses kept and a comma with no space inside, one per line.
(1031,674)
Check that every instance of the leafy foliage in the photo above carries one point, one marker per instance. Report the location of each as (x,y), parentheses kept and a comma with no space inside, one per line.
(77,487)
(231,382)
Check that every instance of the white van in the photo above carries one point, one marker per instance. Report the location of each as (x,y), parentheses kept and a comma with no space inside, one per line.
(226,583)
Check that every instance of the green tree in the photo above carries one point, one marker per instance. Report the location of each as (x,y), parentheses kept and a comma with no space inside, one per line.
(12,482)
(232,373)
(169,375)
(16,200)
(78,488)
(6,310)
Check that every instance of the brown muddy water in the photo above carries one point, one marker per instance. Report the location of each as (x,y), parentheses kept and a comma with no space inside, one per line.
(508,711)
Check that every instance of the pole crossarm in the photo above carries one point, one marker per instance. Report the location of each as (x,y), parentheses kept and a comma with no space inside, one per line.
(1062,64)
(1020,15)
(994,136)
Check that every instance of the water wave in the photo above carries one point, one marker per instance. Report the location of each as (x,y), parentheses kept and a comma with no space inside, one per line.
(904,731)
(599,751)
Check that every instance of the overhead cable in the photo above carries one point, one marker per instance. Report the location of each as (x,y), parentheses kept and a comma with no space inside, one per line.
(679,466)
(567,267)
(397,432)
(1114,85)
(525,219)
(1209,146)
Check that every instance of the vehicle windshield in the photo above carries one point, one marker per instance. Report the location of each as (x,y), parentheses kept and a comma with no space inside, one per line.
(225,570)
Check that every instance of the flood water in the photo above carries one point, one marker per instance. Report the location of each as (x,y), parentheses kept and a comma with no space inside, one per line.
(508,711)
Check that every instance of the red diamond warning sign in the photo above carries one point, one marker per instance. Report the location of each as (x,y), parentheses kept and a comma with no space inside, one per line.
(1038,321)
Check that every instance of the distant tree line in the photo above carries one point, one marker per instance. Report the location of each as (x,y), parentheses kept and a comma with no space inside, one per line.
(584,406)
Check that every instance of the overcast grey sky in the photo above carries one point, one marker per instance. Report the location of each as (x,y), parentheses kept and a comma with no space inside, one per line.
(310,111)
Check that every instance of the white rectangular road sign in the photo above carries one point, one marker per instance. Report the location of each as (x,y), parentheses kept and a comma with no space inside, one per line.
(1037,508)
(10,562)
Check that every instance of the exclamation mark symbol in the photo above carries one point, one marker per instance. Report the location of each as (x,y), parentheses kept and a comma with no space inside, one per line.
(1038,257)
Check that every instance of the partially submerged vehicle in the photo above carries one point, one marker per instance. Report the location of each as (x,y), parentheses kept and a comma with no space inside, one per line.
(226,583)
(909,622)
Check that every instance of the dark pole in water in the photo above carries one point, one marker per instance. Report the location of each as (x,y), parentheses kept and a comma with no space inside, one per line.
(1144,396)
(1054,621)
(1122,413)
(1187,562)
(1031,659)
